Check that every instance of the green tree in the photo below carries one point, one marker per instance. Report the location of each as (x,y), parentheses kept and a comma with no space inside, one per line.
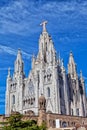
(43,126)
(15,123)
(15,120)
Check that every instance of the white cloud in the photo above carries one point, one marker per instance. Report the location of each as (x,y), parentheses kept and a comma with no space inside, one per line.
(12,51)
(22,17)
(5,69)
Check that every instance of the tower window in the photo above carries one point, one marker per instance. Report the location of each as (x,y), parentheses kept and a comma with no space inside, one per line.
(48,92)
(13,99)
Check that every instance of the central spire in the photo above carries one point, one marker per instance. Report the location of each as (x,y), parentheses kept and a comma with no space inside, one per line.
(44,25)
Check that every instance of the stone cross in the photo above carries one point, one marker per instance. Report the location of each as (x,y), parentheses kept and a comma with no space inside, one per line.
(44,25)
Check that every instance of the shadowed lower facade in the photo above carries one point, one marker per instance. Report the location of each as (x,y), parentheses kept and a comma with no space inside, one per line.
(64,92)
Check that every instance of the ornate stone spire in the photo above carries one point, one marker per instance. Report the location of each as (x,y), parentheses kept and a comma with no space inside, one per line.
(62,65)
(81,76)
(72,66)
(19,62)
(71,58)
(44,25)
(19,55)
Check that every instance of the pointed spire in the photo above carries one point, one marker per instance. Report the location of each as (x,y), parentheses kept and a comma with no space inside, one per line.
(43,24)
(59,59)
(71,58)
(81,74)
(47,53)
(62,63)
(72,66)
(19,62)
(19,55)
(9,74)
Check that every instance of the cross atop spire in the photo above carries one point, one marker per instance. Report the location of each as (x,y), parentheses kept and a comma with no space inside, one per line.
(44,25)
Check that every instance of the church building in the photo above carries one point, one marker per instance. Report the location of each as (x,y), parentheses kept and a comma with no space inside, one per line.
(64,92)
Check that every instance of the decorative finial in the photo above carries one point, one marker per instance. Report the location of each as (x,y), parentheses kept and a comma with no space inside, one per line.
(62,63)
(19,54)
(81,74)
(71,53)
(44,25)
(19,50)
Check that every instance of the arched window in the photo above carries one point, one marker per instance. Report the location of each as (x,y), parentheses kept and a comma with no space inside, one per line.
(13,99)
(64,124)
(48,92)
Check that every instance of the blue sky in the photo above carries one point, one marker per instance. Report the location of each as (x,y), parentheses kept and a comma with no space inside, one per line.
(19,28)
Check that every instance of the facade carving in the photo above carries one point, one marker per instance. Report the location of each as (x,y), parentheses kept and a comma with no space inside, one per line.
(64,92)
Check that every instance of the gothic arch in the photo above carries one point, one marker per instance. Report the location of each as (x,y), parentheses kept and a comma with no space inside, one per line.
(64,124)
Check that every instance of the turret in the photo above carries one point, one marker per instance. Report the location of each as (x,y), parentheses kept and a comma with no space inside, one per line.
(72,67)
(19,76)
(7,98)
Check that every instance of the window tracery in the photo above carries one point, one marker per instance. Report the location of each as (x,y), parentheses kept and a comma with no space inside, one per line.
(48,76)
(30,88)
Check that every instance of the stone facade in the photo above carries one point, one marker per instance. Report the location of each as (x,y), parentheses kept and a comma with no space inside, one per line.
(64,92)
(66,122)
